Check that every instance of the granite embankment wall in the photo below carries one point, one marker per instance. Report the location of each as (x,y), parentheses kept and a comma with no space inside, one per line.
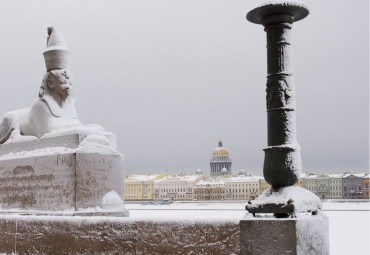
(116,235)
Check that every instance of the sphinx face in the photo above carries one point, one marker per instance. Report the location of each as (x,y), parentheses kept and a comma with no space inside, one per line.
(62,82)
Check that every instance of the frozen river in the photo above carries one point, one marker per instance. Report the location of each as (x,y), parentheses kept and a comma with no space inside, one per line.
(349,221)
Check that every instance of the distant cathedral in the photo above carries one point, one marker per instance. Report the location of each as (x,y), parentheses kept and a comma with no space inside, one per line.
(220,162)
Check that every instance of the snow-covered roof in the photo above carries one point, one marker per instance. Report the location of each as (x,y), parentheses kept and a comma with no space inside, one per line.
(151,177)
(179,178)
(367,176)
(198,171)
(335,175)
(345,175)
(212,182)
(323,176)
(241,178)
(303,175)
(361,175)
(311,176)
(242,172)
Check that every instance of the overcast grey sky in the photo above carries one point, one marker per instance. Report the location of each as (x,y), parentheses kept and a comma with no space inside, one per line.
(171,77)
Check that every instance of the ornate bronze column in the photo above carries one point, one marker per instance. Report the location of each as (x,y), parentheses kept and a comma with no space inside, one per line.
(282,164)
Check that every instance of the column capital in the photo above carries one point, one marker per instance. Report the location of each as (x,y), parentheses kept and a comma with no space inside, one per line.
(278,12)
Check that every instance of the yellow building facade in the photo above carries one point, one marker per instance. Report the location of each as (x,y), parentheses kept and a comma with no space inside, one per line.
(140,187)
(264,185)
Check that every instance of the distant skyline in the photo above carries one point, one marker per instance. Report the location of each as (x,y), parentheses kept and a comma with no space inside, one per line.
(171,78)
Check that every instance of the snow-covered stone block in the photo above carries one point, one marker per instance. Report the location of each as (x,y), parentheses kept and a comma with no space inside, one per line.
(59,173)
(305,234)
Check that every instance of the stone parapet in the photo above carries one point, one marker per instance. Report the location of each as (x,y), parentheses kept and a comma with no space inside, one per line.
(115,235)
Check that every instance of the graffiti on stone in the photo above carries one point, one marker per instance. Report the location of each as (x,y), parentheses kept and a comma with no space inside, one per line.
(19,170)
(21,186)
(24,200)
(65,159)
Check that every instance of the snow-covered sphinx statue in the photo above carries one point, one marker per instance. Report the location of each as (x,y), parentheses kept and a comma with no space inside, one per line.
(54,112)
(55,107)
(52,142)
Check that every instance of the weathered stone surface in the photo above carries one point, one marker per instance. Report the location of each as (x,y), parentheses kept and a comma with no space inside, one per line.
(267,237)
(96,175)
(64,235)
(7,237)
(56,179)
(188,237)
(112,235)
(39,183)
(297,236)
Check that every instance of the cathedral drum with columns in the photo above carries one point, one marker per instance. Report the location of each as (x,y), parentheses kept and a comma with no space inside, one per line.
(220,162)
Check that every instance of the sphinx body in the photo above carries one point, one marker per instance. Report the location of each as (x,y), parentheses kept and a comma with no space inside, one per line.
(53,110)
(55,107)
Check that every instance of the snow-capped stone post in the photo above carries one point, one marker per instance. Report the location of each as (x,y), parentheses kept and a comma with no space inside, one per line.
(306,229)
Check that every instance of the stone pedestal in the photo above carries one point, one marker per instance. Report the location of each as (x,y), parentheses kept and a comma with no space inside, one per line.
(55,174)
(305,234)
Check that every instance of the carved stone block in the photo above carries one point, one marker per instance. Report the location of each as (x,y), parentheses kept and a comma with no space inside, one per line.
(52,175)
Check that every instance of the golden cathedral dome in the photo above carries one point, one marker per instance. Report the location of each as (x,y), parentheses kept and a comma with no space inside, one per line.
(220,150)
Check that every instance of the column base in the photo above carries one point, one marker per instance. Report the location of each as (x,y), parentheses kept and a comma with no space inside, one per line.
(305,234)
(285,202)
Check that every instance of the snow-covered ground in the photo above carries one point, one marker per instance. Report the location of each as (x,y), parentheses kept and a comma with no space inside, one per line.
(349,221)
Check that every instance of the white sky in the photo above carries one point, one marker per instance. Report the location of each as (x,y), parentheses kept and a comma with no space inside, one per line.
(171,77)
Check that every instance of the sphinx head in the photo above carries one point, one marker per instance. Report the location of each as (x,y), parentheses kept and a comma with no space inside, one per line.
(57,83)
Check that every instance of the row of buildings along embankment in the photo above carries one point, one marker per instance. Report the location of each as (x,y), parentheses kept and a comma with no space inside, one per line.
(221,184)
(238,187)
